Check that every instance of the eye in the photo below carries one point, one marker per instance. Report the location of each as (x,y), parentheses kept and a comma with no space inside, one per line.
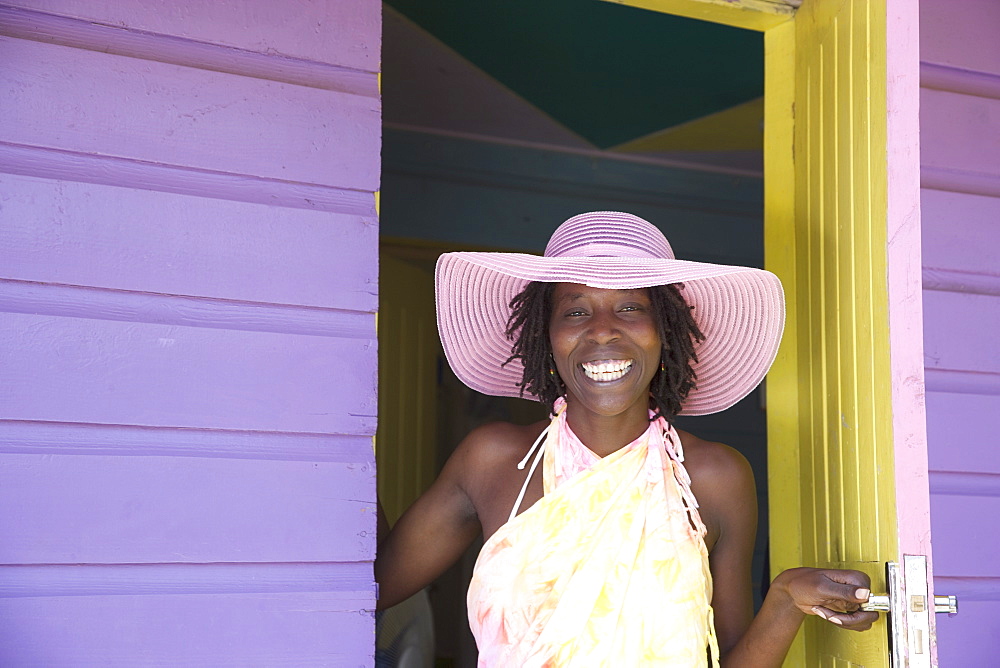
(576,312)
(632,307)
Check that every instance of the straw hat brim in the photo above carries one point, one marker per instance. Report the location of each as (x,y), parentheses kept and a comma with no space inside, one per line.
(739,309)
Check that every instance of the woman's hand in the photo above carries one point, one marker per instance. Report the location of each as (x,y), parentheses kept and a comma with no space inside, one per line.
(834,595)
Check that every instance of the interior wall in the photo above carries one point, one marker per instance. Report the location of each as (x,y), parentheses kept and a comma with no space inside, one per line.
(497,194)
(960,210)
(448,192)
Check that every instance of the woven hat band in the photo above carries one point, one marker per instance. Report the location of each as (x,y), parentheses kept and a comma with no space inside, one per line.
(608,234)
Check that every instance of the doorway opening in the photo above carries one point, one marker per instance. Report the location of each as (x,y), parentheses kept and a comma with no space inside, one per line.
(480,153)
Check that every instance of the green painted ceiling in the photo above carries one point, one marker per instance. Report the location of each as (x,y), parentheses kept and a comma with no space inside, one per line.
(609,73)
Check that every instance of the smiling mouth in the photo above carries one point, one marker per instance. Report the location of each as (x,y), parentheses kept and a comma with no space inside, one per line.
(604,371)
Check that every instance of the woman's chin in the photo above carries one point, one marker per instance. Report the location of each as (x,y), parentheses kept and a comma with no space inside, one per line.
(601,401)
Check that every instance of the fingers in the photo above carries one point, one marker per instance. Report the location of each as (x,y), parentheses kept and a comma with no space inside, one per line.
(827,614)
(854,621)
(852,587)
(834,595)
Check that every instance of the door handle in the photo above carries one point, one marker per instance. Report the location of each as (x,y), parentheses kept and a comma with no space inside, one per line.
(909,604)
(881,603)
(946,604)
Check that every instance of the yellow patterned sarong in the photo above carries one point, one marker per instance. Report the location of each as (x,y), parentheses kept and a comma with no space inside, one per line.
(608,568)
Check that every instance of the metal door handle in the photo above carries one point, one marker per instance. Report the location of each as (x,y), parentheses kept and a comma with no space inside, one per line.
(948,604)
(909,603)
(942,604)
(877,603)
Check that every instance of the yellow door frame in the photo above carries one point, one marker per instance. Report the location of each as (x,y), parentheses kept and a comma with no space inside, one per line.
(839,406)
(761,15)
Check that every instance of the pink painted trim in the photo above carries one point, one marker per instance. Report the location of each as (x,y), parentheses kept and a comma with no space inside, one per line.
(904,274)
(903,261)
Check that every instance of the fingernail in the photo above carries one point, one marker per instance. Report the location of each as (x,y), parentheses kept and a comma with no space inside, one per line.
(819,612)
(836,621)
(862,594)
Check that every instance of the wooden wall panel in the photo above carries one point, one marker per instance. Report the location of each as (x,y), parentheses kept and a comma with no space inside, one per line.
(963,515)
(339,33)
(188,276)
(958,432)
(85,370)
(164,113)
(309,629)
(961,34)
(149,509)
(74,438)
(971,633)
(960,144)
(127,239)
(966,132)
(960,231)
(960,331)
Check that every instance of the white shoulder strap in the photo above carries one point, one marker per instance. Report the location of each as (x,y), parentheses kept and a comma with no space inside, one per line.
(534,464)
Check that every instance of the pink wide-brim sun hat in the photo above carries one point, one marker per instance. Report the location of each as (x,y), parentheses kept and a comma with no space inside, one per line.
(741,310)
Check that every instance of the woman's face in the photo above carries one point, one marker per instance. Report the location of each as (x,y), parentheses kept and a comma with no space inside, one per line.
(606,346)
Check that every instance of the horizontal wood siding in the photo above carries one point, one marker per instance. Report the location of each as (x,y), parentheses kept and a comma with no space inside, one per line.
(952,323)
(957,425)
(78,369)
(186,629)
(129,509)
(960,202)
(973,219)
(166,113)
(344,34)
(130,239)
(959,142)
(188,358)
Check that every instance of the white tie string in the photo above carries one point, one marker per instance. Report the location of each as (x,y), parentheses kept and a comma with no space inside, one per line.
(534,464)
(520,467)
(524,487)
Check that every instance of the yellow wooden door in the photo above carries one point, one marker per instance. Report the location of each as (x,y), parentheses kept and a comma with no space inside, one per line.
(846,426)
(847,454)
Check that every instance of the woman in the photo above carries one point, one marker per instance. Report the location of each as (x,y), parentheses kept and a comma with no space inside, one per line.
(633,545)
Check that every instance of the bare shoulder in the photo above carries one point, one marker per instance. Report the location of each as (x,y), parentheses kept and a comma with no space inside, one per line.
(722,481)
(495,444)
(487,462)
(712,464)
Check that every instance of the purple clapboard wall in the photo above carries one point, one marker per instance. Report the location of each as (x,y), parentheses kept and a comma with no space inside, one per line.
(960,202)
(188,281)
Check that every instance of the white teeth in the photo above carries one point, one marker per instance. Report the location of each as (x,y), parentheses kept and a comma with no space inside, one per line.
(606,371)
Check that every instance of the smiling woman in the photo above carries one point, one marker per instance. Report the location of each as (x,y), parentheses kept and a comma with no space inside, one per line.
(549,307)
(633,546)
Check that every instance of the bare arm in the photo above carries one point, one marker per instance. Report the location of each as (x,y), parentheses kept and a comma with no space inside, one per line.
(729,506)
(794,594)
(430,536)
(728,498)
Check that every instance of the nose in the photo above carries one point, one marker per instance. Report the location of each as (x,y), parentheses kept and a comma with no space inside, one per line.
(603,327)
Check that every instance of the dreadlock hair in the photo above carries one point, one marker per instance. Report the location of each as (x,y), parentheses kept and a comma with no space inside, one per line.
(528,330)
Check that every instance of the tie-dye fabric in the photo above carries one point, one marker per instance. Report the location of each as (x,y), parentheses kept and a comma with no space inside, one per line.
(608,568)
